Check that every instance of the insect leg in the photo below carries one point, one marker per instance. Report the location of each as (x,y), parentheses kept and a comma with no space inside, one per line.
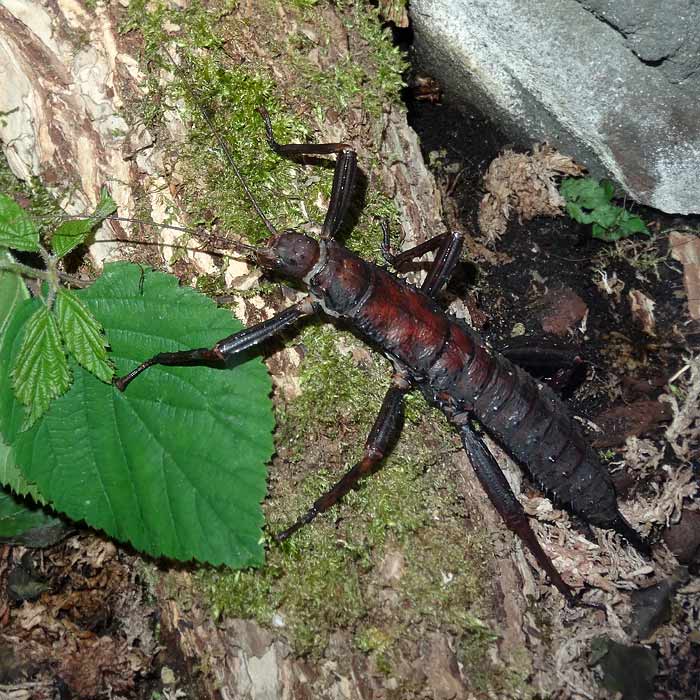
(561,367)
(448,247)
(380,439)
(501,495)
(343,176)
(443,266)
(397,260)
(227,348)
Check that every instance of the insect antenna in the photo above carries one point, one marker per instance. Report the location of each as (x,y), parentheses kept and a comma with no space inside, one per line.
(223,145)
(216,241)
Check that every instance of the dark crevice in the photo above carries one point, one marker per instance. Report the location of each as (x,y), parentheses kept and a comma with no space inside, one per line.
(652,64)
(458,143)
(602,18)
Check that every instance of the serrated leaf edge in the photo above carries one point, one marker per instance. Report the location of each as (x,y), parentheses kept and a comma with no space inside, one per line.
(24,373)
(77,322)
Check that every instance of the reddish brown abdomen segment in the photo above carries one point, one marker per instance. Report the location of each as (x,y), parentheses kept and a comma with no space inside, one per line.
(404,322)
(458,373)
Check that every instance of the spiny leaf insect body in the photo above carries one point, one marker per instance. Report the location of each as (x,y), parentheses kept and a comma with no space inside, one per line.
(435,353)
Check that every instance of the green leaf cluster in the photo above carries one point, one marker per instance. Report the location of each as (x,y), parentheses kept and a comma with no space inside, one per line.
(176,464)
(590,202)
(62,322)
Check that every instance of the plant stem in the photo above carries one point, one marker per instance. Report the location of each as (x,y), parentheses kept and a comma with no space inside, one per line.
(11,265)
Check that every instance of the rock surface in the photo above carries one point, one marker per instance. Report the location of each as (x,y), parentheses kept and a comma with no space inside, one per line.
(613,84)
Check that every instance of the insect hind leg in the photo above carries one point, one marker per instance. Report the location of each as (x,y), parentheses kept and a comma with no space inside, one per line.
(384,432)
(561,367)
(509,508)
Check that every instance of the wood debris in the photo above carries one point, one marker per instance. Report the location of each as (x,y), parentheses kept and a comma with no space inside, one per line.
(524,185)
(642,308)
(686,249)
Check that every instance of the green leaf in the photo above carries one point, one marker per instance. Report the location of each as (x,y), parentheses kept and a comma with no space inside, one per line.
(632,225)
(12,478)
(24,523)
(40,371)
(71,234)
(603,233)
(16,228)
(586,192)
(12,413)
(105,207)
(606,215)
(577,214)
(589,202)
(83,335)
(13,292)
(176,464)
(608,189)
(568,188)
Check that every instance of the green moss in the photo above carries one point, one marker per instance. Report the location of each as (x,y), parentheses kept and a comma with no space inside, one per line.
(389,63)
(340,398)
(317,581)
(231,95)
(487,676)
(367,235)
(483,673)
(337,390)
(306,590)
(372,639)
(280,188)
(372,74)
(321,579)
(246,594)
(380,644)
(231,92)
(443,586)
(212,284)
(303,4)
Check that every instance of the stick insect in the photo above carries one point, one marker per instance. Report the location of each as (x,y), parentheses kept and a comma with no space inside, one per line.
(476,388)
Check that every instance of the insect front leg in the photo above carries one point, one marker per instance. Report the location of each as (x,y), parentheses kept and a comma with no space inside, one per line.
(344,174)
(227,348)
(509,508)
(384,432)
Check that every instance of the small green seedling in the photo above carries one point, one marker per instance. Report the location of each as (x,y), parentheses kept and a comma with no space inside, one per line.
(61,322)
(590,202)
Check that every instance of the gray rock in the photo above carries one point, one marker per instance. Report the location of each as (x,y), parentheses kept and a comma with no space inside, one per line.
(615,84)
(664,35)
(651,606)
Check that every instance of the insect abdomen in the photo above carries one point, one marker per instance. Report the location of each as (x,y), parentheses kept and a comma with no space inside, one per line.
(533,425)
(459,373)
(405,323)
